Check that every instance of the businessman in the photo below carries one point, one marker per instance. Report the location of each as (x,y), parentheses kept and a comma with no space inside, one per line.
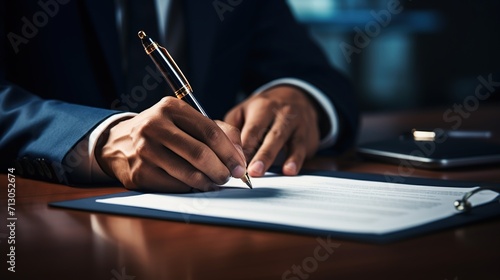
(80,102)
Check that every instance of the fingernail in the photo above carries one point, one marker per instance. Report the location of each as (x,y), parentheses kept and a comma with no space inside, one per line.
(238,171)
(291,168)
(257,168)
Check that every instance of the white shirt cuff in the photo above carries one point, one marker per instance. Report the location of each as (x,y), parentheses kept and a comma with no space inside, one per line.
(332,135)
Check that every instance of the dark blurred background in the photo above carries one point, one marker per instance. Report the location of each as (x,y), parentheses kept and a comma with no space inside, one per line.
(427,54)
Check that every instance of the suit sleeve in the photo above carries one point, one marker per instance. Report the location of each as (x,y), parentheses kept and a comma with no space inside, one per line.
(282,48)
(39,137)
(38,134)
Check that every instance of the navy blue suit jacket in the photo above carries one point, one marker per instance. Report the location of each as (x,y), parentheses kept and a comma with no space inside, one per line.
(61,76)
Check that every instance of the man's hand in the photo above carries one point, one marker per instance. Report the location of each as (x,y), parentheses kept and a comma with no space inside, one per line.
(282,117)
(171,147)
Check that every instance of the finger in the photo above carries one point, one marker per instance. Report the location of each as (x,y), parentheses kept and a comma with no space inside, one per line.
(210,135)
(196,155)
(297,148)
(275,139)
(302,145)
(258,120)
(156,168)
(140,172)
(234,136)
(182,171)
(162,129)
(155,179)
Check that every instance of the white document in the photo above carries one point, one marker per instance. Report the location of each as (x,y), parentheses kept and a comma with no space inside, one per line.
(316,202)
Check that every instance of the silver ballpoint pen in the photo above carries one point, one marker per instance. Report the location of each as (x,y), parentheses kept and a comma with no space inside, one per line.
(175,78)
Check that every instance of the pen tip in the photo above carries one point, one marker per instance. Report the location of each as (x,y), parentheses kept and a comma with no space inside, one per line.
(141,34)
(246,179)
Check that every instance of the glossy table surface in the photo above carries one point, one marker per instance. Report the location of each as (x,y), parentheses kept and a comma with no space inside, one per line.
(52,243)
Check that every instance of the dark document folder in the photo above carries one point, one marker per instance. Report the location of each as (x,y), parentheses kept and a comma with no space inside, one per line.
(243,196)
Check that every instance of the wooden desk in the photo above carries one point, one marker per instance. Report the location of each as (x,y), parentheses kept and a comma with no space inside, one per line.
(65,244)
